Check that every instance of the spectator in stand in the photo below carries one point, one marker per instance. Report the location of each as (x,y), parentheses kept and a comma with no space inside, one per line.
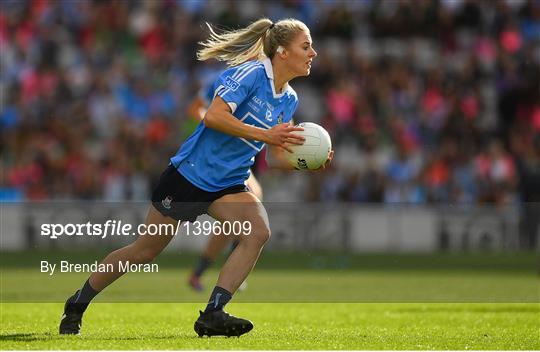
(413,74)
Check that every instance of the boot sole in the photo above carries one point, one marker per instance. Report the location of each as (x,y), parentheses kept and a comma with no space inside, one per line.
(202,330)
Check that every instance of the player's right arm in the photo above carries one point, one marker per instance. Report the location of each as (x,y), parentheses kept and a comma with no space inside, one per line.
(220,117)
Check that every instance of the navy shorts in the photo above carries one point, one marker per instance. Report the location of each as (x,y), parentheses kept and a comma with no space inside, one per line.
(176,197)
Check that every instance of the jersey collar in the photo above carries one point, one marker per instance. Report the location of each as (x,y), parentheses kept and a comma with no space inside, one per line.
(270,74)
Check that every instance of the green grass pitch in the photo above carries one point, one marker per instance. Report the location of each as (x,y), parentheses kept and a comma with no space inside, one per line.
(394,302)
(343,326)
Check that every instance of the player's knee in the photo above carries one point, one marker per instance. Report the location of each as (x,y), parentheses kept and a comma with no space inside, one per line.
(266,235)
(260,236)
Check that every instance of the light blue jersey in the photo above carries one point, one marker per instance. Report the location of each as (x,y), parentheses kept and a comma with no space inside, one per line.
(213,160)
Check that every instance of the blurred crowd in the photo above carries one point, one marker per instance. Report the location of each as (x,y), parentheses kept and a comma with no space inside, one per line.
(426,101)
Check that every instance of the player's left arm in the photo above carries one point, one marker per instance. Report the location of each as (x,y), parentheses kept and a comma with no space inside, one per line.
(328,161)
(197,108)
(275,158)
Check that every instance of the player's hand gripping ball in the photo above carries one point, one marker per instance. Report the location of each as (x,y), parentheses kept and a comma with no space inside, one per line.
(314,153)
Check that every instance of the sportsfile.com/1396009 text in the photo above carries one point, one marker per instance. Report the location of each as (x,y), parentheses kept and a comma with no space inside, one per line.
(119,228)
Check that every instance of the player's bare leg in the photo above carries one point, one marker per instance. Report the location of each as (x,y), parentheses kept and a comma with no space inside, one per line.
(142,251)
(234,207)
(217,243)
(242,207)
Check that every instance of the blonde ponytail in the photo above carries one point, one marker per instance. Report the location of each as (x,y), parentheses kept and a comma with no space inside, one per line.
(235,47)
(259,39)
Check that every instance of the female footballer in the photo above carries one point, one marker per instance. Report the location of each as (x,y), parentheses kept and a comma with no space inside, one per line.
(252,106)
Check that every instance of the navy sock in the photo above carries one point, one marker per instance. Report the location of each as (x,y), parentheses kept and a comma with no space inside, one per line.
(219,298)
(203,264)
(82,298)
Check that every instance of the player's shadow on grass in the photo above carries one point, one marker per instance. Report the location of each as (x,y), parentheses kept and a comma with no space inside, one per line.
(47,337)
(128,338)
(25,337)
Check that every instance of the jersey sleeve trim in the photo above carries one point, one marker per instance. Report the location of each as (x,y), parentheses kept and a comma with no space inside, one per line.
(234,88)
